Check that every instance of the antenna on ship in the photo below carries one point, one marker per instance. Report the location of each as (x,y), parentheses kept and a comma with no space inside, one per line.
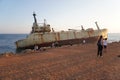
(44,22)
(97,25)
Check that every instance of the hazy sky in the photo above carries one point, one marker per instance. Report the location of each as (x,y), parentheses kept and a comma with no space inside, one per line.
(16,15)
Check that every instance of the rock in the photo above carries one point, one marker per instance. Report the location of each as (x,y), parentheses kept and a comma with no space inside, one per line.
(43,49)
(28,51)
(8,54)
(119,56)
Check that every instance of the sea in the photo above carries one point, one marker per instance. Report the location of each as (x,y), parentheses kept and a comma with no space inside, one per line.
(7,41)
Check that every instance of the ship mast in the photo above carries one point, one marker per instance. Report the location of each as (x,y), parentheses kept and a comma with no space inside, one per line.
(97,25)
(44,22)
(35,25)
(35,20)
(82,27)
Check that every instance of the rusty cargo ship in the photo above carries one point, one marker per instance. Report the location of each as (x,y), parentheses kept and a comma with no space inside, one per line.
(44,36)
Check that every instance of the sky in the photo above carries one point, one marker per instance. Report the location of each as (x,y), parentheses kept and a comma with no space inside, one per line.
(16,15)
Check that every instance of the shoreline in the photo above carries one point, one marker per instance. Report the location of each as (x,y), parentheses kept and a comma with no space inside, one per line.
(43,49)
(78,62)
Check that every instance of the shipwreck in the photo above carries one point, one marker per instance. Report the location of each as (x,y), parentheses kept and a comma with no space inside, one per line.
(44,36)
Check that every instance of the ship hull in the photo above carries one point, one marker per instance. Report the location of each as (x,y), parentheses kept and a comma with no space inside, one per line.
(62,38)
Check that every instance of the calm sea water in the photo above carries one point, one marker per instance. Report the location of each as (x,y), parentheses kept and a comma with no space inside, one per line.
(7,41)
(113,37)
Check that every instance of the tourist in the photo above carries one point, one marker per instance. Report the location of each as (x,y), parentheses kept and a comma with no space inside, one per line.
(100,46)
(84,41)
(56,44)
(35,48)
(105,44)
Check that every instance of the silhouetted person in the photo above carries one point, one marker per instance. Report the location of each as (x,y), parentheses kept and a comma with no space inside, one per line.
(56,44)
(100,46)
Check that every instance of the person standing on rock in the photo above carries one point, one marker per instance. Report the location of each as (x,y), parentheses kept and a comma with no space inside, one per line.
(100,46)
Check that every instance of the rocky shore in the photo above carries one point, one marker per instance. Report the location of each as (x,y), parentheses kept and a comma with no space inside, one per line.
(77,62)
